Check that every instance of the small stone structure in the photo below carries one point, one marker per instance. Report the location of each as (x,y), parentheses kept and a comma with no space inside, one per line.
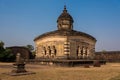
(19,67)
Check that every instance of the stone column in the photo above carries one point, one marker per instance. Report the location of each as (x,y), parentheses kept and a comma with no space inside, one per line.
(84,53)
(88,53)
(18,58)
(67,49)
(52,51)
(48,52)
(79,52)
(44,51)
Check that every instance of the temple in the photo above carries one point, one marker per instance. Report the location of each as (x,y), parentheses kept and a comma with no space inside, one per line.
(65,42)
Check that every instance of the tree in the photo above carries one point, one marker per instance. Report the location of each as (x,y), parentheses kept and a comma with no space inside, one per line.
(5,54)
(1,50)
(1,46)
(30,47)
(33,54)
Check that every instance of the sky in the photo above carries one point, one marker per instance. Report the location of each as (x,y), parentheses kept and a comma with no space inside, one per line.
(23,20)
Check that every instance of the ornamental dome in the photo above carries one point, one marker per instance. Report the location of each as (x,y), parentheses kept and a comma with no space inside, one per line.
(65,21)
(65,16)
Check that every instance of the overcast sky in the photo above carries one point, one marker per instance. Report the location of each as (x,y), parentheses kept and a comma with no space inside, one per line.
(23,20)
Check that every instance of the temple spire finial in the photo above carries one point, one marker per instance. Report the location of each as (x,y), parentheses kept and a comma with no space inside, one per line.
(65,10)
(64,7)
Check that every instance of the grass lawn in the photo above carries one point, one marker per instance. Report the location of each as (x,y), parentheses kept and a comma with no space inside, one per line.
(110,71)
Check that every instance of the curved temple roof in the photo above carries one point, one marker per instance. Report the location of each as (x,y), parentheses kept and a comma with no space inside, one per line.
(64,33)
